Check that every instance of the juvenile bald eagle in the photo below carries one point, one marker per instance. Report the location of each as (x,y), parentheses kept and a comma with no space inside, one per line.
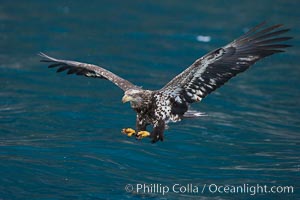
(171,103)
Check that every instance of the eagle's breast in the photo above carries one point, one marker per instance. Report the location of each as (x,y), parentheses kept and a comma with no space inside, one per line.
(168,108)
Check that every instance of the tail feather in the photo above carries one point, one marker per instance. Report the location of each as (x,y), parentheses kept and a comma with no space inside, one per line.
(193,114)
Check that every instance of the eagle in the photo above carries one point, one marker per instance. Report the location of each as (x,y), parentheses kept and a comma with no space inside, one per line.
(172,102)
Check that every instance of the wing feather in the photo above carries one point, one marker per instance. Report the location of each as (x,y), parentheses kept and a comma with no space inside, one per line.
(211,71)
(88,70)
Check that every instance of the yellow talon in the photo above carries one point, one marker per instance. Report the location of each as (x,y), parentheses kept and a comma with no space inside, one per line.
(128,131)
(142,134)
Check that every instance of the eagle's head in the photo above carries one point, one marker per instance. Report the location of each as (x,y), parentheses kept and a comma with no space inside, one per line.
(135,97)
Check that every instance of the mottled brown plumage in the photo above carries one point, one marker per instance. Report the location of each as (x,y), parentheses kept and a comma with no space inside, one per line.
(206,74)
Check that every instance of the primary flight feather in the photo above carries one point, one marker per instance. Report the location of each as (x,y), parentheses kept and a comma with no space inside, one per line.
(206,74)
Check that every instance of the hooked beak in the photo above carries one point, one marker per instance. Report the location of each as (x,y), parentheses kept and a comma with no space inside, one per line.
(126,98)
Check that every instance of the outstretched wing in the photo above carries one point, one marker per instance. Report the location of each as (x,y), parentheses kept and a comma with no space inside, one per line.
(88,70)
(214,69)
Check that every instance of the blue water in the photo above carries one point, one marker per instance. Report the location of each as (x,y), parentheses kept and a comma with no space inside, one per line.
(60,135)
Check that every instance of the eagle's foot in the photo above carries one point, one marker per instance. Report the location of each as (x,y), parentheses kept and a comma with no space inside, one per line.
(128,131)
(142,134)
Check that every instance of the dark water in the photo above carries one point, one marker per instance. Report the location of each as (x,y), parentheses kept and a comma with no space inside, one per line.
(60,135)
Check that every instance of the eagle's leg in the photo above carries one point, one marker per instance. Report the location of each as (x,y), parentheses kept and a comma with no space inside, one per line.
(128,131)
(158,131)
(141,127)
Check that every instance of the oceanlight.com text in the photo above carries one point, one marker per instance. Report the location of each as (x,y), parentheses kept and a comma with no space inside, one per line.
(194,189)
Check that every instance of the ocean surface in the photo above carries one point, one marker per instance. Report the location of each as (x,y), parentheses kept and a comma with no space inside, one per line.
(60,135)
